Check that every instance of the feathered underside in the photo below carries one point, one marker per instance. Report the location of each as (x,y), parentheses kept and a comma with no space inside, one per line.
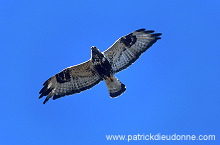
(127,49)
(70,81)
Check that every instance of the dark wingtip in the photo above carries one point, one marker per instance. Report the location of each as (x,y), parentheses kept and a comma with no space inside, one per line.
(139,30)
(45,91)
(45,101)
(149,31)
(157,34)
(41,95)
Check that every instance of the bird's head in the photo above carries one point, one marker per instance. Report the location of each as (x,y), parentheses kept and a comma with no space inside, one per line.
(94,49)
(96,53)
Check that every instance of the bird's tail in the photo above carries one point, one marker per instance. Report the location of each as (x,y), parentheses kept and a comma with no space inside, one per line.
(115,87)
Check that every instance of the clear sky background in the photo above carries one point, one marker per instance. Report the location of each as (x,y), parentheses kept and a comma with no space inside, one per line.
(173,88)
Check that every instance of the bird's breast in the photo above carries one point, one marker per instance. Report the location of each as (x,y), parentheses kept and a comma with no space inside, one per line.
(103,68)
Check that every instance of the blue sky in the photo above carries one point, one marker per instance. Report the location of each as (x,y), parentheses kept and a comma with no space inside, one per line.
(172,88)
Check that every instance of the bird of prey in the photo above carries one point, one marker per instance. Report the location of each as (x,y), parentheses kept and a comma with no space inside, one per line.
(101,66)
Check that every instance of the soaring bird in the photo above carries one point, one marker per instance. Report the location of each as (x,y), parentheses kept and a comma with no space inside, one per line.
(101,66)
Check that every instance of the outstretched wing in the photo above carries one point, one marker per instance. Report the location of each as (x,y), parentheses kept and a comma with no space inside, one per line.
(127,49)
(70,81)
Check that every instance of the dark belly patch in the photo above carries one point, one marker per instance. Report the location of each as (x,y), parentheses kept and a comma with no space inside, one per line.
(104,69)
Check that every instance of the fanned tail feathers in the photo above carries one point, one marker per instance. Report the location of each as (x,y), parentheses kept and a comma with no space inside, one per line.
(115,87)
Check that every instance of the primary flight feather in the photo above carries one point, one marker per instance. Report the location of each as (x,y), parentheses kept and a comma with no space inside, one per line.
(101,66)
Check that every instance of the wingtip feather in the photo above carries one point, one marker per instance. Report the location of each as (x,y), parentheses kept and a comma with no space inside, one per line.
(140,30)
(47,98)
(41,95)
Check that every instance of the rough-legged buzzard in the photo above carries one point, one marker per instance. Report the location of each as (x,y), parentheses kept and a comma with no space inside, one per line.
(101,66)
